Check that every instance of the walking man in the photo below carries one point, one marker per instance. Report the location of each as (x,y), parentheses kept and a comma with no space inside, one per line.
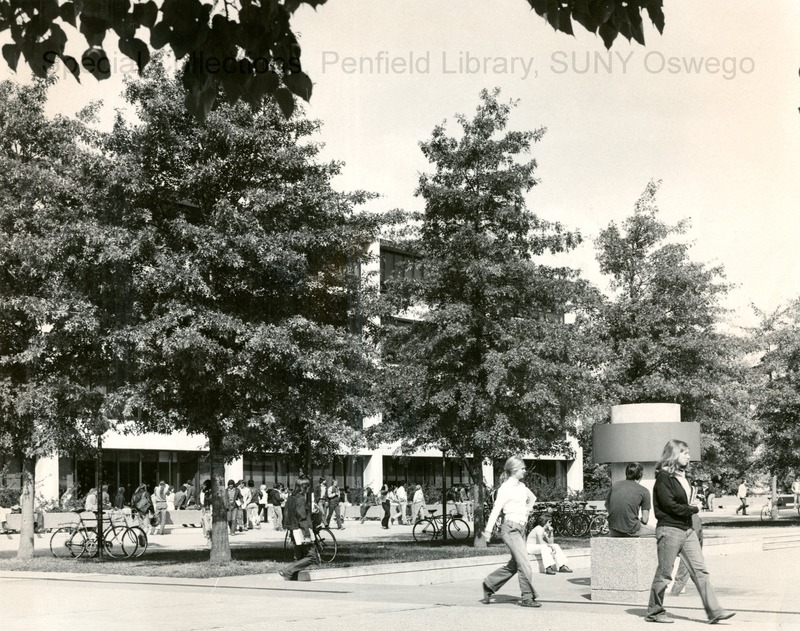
(742,495)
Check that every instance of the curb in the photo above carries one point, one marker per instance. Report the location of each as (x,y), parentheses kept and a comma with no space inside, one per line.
(431,572)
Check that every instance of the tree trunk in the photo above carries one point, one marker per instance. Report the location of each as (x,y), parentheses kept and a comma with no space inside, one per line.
(26,502)
(220,544)
(479,498)
(774,497)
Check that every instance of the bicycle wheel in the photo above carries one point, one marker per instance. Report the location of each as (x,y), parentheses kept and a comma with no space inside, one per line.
(458,529)
(119,541)
(90,544)
(325,541)
(141,542)
(598,527)
(561,526)
(67,543)
(424,531)
(578,525)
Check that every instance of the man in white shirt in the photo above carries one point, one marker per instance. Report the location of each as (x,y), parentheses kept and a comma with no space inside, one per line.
(742,495)
(402,502)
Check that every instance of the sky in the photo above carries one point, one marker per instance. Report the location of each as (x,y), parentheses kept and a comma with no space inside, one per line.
(710,108)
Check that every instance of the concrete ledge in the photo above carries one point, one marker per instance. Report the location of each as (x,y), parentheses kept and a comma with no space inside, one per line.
(431,572)
(623,569)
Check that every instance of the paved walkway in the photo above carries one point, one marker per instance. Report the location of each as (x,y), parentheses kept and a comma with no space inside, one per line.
(761,586)
(755,570)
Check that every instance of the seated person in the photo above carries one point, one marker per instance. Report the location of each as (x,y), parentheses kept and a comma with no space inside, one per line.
(541,541)
(626,500)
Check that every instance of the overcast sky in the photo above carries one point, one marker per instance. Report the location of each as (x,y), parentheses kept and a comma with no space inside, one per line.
(710,108)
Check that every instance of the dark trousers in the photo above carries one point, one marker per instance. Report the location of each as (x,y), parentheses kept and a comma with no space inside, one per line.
(385,521)
(333,509)
(306,555)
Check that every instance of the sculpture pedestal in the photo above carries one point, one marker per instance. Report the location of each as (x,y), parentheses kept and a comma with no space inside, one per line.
(623,569)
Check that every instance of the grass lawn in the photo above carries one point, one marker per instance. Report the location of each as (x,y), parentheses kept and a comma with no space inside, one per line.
(258,560)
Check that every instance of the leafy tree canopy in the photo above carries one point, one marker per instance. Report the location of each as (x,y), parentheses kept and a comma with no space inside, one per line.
(244,276)
(247,47)
(665,333)
(58,298)
(487,368)
(777,392)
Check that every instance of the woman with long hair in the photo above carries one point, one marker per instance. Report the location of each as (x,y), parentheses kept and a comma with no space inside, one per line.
(676,536)
(516,501)
(297,518)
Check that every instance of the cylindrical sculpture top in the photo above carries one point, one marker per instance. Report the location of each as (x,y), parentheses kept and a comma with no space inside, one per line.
(646,413)
(639,431)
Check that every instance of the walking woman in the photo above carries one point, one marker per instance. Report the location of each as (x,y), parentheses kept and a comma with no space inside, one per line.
(516,501)
(676,536)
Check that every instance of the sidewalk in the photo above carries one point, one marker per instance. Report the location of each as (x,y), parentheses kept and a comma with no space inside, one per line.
(759,586)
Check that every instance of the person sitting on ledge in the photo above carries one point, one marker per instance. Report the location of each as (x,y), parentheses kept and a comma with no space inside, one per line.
(541,541)
(624,502)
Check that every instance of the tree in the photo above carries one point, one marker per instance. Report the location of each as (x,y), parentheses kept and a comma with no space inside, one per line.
(665,333)
(55,294)
(777,392)
(245,293)
(248,48)
(487,368)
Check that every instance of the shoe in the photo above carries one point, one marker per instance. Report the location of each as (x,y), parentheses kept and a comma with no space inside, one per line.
(550,571)
(662,617)
(487,594)
(340,528)
(284,575)
(722,615)
(565,569)
(529,603)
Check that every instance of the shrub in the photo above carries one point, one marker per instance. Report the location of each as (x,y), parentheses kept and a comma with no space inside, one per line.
(9,497)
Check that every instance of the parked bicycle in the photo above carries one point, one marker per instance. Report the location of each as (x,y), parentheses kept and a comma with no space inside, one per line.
(432,527)
(324,541)
(81,540)
(785,502)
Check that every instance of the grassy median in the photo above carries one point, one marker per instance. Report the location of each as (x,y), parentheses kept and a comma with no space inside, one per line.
(257,559)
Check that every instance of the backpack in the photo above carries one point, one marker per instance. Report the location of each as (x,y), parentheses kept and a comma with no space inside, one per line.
(232,497)
(142,503)
(255,496)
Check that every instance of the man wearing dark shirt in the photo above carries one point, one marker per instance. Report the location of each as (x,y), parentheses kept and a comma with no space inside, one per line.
(624,502)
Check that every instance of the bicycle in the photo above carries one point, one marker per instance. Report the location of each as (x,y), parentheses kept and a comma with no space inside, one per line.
(324,541)
(598,526)
(784,502)
(432,527)
(78,540)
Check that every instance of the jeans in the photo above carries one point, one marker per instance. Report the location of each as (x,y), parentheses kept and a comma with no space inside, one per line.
(334,510)
(385,520)
(682,576)
(306,555)
(276,513)
(671,543)
(514,537)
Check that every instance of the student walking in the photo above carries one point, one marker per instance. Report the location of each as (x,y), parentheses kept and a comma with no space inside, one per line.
(297,520)
(516,501)
(741,493)
(675,535)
